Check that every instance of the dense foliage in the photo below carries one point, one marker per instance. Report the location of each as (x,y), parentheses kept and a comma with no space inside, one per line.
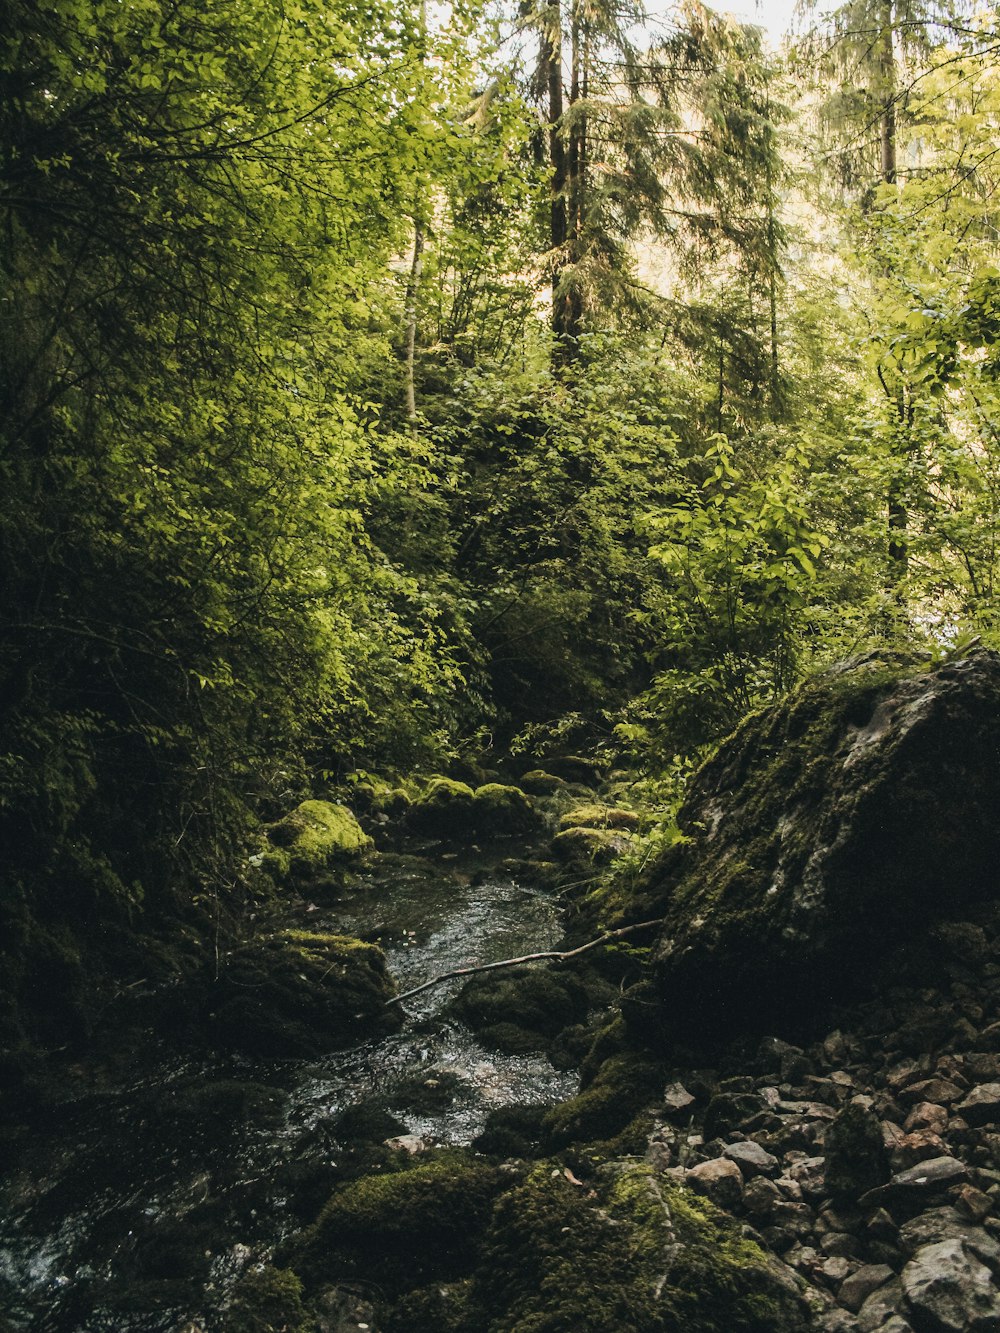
(384,387)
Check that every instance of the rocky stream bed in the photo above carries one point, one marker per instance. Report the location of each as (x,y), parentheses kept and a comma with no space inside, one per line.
(776,1110)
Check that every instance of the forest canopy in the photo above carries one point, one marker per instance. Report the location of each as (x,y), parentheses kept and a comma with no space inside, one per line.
(392,387)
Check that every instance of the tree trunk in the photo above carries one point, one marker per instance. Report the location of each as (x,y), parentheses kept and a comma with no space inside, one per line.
(410,330)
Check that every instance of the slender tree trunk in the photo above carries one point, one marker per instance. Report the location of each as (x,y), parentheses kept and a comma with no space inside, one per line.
(558,159)
(410,330)
(898,548)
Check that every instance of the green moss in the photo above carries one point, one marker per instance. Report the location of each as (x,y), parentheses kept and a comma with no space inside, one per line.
(539,783)
(643,1256)
(534,1002)
(599,816)
(584,848)
(267,1301)
(405,1228)
(299,994)
(623,1086)
(444,808)
(499,809)
(314,837)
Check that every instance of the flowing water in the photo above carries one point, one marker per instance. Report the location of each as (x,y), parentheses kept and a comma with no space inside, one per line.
(134,1209)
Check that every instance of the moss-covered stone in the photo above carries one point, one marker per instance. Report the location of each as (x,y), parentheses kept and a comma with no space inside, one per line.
(643,1256)
(499,809)
(537,782)
(826,830)
(443,809)
(520,1009)
(313,838)
(404,1228)
(622,1087)
(599,816)
(267,1300)
(299,994)
(582,849)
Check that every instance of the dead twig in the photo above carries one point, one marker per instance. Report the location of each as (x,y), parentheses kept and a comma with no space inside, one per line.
(552,955)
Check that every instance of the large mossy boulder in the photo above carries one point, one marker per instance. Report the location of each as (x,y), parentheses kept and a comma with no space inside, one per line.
(403,1228)
(313,839)
(499,809)
(520,1009)
(825,833)
(443,809)
(639,1253)
(300,994)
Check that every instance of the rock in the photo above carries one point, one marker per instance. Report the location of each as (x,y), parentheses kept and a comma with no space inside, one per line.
(973,1204)
(760,1196)
(539,783)
(856,1289)
(298,993)
(982,1106)
(677,1099)
(498,809)
(584,848)
(443,809)
(820,831)
(728,1111)
(918,1147)
(599,816)
(939,1090)
(719,1180)
(947,1223)
(635,1251)
(519,1009)
(927,1115)
(950,1290)
(920,1182)
(880,1306)
(576,768)
(856,1159)
(752,1159)
(809,1175)
(314,837)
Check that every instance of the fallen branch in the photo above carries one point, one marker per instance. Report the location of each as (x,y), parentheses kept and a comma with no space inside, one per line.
(552,955)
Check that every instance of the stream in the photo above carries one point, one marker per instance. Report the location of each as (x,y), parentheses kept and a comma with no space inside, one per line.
(136,1208)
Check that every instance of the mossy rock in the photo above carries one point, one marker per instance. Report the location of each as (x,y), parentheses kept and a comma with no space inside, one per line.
(300,994)
(856,1156)
(599,817)
(828,830)
(537,782)
(443,809)
(267,1300)
(313,838)
(404,1228)
(499,809)
(584,848)
(576,768)
(520,1009)
(624,1085)
(643,1256)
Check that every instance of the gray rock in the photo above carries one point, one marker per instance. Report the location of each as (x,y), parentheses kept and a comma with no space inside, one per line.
(924,1180)
(760,1196)
(720,1180)
(939,1224)
(856,1289)
(982,1106)
(752,1159)
(880,1306)
(677,1099)
(950,1290)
